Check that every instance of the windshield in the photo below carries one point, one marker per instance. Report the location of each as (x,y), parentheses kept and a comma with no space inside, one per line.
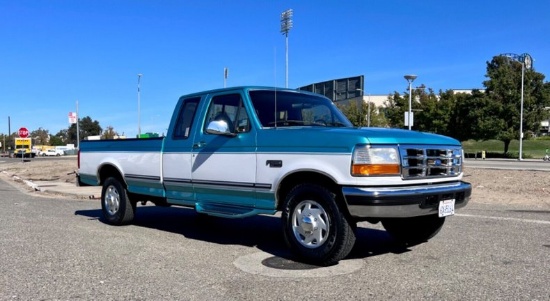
(296,109)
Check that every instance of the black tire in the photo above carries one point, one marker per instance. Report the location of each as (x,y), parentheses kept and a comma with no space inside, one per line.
(413,230)
(326,236)
(115,204)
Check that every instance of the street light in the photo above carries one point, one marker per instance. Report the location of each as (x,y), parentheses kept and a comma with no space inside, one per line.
(139,100)
(526,63)
(410,78)
(286,25)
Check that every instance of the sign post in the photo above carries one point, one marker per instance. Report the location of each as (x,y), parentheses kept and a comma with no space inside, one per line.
(23,133)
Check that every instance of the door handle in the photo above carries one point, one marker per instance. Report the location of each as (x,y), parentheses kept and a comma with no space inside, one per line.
(199,144)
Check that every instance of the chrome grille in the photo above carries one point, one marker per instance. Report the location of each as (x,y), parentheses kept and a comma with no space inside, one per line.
(419,162)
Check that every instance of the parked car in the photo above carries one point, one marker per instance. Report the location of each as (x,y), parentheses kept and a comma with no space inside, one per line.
(51,152)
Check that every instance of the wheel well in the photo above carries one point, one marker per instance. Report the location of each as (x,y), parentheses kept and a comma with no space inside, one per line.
(107,171)
(294,179)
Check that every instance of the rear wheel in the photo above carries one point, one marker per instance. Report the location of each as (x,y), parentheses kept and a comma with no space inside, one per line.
(314,227)
(116,206)
(413,230)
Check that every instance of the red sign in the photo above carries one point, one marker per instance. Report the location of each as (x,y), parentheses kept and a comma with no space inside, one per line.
(23,132)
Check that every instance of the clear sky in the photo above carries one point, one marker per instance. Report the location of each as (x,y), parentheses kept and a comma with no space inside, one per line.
(54,53)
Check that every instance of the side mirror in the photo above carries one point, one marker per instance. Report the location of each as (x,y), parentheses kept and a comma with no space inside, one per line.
(219,127)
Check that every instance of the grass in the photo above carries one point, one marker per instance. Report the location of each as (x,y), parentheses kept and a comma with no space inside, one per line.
(532,148)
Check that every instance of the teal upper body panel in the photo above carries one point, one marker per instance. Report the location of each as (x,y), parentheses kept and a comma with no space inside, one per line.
(341,140)
(284,138)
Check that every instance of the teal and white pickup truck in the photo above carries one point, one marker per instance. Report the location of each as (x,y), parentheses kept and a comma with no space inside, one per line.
(243,151)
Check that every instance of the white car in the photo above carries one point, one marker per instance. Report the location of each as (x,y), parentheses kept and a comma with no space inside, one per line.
(51,152)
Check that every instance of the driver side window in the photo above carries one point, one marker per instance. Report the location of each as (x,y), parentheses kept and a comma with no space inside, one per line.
(229,108)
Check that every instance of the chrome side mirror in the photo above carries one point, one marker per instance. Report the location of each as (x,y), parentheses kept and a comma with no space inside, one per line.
(219,127)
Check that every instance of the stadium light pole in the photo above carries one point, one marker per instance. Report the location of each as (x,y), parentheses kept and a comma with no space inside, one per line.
(139,103)
(526,63)
(286,25)
(410,78)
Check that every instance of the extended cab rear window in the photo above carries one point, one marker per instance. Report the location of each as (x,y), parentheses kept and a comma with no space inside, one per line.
(186,117)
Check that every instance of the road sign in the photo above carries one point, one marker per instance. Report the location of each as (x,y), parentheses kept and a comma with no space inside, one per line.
(23,132)
(72,117)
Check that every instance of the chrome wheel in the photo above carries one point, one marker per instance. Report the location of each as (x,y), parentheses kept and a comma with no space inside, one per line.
(115,204)
(310,224)
(112,200)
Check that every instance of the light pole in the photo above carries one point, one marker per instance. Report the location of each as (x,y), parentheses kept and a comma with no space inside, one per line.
(286,25)
(410,78)
(139,105)
(526,63)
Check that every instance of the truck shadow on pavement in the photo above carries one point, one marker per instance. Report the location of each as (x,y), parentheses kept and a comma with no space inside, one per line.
(261,231)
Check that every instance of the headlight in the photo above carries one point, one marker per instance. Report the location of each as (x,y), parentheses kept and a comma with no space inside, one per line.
(375,161)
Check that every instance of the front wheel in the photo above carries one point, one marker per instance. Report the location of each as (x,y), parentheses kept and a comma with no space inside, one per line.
(115,204)
(413,230)
(314,227)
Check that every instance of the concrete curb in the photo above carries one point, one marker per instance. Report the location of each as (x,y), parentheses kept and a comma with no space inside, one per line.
(58,188)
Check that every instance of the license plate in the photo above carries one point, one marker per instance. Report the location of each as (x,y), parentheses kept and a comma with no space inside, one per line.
(446,208)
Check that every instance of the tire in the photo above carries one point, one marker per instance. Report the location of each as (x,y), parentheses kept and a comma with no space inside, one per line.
(116,206)
(314,227)
(413,230)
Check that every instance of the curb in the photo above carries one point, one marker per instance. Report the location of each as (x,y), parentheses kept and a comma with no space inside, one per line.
(37,188)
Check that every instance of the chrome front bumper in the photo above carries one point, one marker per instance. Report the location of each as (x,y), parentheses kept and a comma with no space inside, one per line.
(405,201)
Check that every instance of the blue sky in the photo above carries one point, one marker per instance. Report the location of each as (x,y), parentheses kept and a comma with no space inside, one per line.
(54,53)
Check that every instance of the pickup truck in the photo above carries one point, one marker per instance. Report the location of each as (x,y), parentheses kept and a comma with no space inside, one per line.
(242,151)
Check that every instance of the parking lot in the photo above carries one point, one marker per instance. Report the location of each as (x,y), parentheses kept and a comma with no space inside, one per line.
(58,248)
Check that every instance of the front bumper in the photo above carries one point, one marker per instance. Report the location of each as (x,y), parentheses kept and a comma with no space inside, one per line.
(406,201)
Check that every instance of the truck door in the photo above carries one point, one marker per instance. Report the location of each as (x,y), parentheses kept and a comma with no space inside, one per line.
(177,154)
(224,165)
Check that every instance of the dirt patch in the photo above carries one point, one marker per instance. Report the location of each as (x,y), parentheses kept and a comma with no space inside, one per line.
(521,187)
(515,187)
(44,169)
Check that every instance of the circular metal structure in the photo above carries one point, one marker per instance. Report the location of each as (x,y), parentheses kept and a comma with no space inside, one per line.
(310,224)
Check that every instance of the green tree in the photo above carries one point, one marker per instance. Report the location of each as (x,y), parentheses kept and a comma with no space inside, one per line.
(56,141)
(109,133)
(358,113)
(41,136)
(503,92)
(87,128)
(396,106)
(61,138)
(433,112)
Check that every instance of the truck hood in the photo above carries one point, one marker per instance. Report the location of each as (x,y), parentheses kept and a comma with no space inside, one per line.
(345,139)
(399,136)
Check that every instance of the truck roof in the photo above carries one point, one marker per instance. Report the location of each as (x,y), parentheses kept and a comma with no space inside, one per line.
(248,88)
